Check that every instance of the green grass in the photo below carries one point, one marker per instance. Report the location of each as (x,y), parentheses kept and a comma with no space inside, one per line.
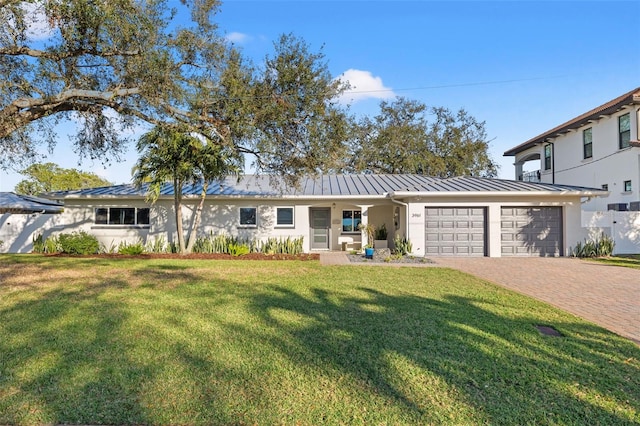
(104,341)
(627,260)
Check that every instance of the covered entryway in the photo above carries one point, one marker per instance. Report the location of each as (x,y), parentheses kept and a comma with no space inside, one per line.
(320,227)
(531,231)
(455,231)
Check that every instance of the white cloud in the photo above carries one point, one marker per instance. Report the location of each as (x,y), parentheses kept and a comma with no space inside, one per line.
(363,86)
(236,37)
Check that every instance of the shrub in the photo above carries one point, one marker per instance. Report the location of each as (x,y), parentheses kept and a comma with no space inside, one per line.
(281,246)
(238,249)
(214,243)
(381,232)
(131,248)
(402,245)
(600,247)
(38,244)
(48,245)
(159,245)
(78,243)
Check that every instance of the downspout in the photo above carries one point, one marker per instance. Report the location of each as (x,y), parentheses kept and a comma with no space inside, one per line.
(553,163)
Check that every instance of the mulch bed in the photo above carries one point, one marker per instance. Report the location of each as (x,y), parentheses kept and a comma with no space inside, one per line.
(197,256)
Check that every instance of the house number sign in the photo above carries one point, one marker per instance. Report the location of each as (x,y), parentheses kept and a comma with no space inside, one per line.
(416,214)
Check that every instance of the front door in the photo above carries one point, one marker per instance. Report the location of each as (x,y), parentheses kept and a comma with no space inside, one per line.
(320,225)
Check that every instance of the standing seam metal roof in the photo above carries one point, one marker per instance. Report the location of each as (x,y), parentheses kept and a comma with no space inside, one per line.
(332,185)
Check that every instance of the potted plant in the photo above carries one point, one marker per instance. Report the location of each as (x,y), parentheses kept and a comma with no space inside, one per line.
(380,240)
(369,230)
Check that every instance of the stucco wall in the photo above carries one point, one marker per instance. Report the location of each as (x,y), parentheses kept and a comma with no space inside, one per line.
(608,165)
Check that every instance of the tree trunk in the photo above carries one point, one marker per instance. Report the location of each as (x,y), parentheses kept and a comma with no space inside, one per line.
(177,204)
(193,234)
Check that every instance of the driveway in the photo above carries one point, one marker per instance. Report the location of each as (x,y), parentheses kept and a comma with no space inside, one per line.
(605,295)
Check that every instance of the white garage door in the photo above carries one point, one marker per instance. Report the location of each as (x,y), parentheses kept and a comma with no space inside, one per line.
(455,231)
(528,231)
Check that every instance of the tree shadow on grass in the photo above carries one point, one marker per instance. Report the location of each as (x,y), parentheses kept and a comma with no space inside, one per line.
(500,366)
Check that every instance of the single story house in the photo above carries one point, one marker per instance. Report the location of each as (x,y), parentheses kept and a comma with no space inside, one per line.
(460,216)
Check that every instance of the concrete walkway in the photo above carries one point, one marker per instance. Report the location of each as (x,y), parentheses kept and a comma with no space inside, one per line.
(605,295)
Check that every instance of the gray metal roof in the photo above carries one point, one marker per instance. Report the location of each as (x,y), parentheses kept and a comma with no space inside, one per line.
(355,185)
(26,204)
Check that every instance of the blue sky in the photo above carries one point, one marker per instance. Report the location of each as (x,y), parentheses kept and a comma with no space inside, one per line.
(521,67)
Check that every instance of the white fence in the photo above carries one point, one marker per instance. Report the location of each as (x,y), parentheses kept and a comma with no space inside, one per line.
(623,227)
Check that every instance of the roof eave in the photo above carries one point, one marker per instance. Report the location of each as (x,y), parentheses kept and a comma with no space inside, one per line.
(606,109)
(508,194)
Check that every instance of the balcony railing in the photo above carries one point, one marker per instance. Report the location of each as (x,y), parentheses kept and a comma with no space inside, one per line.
(533,176)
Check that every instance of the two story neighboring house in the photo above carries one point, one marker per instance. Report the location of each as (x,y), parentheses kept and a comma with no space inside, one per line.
(598,149)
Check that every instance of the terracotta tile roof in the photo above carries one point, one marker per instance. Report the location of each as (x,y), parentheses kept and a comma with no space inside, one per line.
(629,98)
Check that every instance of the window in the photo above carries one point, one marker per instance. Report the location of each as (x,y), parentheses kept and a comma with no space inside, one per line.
(587,143)
(350,220)
(627,186)
(547,157)
(248,216)
(624,130)
(605,186)
(284,216)
(121,216)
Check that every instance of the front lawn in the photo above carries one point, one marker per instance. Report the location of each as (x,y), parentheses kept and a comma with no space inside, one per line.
(627,260)
(125,341)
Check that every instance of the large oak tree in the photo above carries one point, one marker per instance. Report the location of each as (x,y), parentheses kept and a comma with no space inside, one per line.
(406,136)
(108,64)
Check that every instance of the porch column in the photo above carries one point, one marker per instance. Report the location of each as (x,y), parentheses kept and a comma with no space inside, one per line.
(365,220)
(519,170)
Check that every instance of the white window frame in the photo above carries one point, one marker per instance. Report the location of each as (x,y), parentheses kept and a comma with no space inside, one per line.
(247,225)
(293,217)
(356,230)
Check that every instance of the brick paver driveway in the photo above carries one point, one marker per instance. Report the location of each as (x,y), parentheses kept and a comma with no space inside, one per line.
(606,295)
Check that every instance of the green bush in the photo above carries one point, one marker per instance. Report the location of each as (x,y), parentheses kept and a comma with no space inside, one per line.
(78,243)
(131,248)
(48,245)
(600,247)
(402,245)
(38,244)
(214,243)
(281,246)
(239,249)
(159,245)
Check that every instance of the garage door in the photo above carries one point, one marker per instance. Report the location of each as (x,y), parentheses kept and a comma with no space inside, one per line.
(531,231)
(455,231)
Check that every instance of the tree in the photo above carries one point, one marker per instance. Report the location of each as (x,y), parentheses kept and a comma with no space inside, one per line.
(51,177)
(400,139)
(299,125)
(178,157)
(109,64)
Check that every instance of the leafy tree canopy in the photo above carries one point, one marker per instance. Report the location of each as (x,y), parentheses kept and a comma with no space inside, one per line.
(108,64)
(51,177)
(402,139)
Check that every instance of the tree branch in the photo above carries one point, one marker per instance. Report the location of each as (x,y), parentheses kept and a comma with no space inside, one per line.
(36,53)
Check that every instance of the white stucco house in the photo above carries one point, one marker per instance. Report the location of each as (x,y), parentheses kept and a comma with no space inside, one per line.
(598,149)
(460,216)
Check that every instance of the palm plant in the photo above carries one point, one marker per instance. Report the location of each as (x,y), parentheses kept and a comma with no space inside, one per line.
(171,155)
